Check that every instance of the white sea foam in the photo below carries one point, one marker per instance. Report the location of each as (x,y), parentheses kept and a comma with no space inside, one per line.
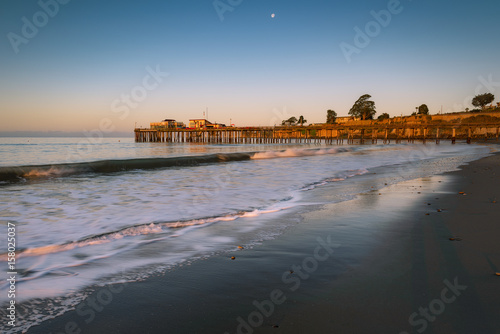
(297,152)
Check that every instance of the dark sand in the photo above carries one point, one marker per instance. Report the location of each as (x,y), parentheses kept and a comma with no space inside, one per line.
(408,271)
(392,259)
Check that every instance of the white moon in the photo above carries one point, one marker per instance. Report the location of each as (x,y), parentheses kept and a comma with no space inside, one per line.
(272,15)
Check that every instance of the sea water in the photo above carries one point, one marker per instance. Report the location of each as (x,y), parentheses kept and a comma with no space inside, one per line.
(93,213)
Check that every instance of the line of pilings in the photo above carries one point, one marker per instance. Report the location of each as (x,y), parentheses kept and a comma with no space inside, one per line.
(317,135)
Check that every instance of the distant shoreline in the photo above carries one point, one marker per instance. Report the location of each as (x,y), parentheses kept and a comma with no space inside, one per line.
(60,134)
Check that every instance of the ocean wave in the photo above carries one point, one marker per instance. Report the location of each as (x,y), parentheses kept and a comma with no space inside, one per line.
(299,152)
(169,227)
(23,173)
(18,173)
(137,230)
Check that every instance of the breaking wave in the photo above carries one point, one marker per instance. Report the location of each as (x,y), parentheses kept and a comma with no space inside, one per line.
(167,228)
(297,152)
(22,173)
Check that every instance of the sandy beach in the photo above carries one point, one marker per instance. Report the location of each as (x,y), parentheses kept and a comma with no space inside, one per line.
(418,280)
(380,263)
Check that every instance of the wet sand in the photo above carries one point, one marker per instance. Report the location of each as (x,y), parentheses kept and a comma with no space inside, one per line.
(380,263)
(418,280)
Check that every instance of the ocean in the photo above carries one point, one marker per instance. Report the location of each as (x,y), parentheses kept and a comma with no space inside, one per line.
(88,213)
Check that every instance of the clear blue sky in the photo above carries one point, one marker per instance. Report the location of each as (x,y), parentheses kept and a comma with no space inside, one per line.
(72,74)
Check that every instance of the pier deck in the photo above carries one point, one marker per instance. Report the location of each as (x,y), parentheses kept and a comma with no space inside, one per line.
(327,133)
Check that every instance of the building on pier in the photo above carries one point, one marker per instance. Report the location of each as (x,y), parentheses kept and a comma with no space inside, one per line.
(167,124)
(201,123)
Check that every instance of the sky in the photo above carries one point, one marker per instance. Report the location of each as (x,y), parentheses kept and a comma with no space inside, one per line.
(109,66)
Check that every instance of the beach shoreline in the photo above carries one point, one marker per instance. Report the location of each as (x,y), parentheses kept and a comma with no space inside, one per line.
(373,280)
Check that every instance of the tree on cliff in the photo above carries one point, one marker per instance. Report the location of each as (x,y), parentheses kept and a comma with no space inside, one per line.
(301,120)
(331,116)
(423,110)
(482,100)
(383,116)
(291,121)
(363,108)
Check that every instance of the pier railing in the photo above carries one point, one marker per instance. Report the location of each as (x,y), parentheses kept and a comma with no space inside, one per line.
(327,133)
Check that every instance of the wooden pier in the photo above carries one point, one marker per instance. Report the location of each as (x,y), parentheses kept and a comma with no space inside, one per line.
(323,134)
